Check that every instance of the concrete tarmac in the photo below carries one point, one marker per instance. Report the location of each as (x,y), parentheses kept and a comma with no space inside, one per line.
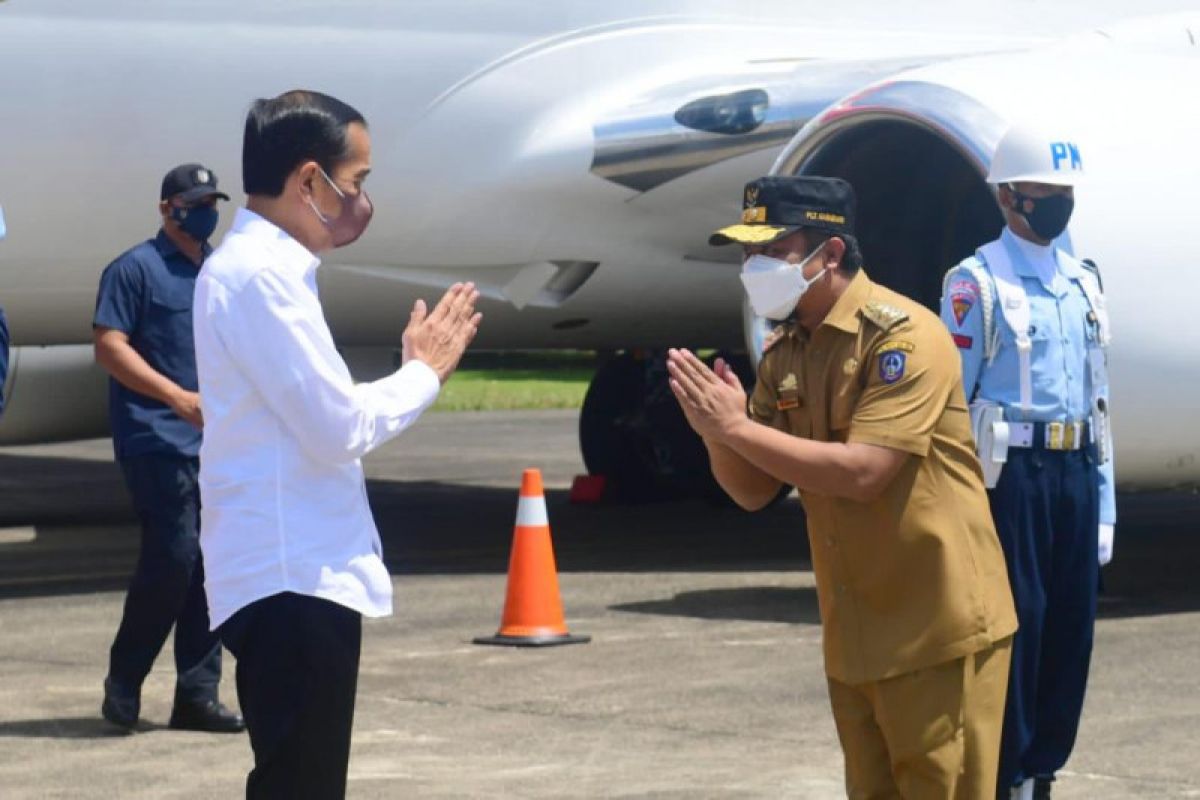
(703,678)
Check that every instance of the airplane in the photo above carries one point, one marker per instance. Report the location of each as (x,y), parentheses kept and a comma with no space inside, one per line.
(572,157)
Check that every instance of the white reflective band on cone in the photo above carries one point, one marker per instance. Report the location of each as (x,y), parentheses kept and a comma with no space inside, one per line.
(531,512)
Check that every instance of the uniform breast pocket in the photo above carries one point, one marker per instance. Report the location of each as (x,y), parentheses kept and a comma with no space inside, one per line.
(168,323)
(172,299)
(1040,335)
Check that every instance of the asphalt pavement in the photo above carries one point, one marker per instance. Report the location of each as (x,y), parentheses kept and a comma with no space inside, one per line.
(702,680)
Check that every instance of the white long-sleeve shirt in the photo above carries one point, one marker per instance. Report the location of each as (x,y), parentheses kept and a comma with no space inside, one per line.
(283,498)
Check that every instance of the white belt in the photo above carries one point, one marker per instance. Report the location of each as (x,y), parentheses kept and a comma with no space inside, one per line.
(1048,435)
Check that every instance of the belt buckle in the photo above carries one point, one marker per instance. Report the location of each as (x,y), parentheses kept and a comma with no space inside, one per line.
(1055,435)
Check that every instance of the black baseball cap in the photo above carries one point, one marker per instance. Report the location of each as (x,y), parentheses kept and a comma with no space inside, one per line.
(191,182)
(775,207)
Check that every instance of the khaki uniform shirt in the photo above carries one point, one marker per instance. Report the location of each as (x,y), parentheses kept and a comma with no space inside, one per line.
(915,577)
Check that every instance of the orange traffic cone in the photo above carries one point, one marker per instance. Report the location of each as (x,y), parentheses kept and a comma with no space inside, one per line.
(533,614)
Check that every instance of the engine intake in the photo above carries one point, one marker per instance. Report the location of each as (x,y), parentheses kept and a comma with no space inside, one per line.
(916,154)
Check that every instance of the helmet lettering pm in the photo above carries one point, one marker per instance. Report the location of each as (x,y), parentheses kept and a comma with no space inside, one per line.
(1065,152)
(1029,154)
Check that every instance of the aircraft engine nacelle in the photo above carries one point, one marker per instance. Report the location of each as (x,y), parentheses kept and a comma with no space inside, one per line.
(916,149)
(54,394)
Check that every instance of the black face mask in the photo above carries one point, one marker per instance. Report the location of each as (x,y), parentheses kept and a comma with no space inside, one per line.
(1049,216)
(197,222)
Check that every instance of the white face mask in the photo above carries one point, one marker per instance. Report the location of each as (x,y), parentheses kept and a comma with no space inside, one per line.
(774,286)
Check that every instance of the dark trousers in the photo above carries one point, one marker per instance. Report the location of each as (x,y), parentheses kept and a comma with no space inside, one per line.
(1046,509)
(297,674)
(167,588)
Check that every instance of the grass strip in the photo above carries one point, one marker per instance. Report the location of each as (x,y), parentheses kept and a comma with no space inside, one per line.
(506,381)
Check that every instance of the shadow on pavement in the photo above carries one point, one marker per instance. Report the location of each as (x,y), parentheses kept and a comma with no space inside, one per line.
(752,604)
(445,528)
(71,728)
(87,539)
(41,490)
(1156,556)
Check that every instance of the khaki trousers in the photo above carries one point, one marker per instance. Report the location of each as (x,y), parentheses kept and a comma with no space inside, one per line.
(930,734)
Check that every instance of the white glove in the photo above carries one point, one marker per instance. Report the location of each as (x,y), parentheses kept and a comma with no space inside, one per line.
(1105,549)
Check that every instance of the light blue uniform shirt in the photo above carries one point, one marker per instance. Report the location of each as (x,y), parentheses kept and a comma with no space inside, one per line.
(1060,329)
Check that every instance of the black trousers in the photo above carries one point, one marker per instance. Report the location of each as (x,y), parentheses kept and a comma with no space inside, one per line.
(297,674)
(167,588)
(1046,509)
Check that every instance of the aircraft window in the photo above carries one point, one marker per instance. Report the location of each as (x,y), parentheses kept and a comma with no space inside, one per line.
(737,112)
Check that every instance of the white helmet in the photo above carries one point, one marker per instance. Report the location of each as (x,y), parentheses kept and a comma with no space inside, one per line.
(1025,154)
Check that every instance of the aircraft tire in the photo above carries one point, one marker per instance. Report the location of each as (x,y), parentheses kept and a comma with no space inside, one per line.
(632,431)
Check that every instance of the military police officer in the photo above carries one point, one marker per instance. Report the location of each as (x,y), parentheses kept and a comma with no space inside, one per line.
(859,405)
(1031,328)
(142,332)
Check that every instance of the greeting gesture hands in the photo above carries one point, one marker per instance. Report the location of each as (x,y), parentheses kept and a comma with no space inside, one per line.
(713,400)
(438,338)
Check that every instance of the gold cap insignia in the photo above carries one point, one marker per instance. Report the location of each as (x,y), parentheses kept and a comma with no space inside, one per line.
(751,197)
(825,216)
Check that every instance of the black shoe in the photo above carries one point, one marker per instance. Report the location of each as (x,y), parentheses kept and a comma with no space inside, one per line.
(120,709)
(210,717)
(1041,788)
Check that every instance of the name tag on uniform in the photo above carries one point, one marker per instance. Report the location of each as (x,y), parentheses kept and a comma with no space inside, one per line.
(789,393)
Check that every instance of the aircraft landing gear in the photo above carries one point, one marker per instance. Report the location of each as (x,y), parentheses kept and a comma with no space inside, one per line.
(632,431)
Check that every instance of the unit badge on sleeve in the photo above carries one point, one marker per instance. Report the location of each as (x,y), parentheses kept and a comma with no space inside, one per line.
(964,294)
(893,357)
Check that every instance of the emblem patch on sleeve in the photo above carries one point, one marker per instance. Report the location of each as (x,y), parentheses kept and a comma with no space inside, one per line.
(963,296)
(891,365)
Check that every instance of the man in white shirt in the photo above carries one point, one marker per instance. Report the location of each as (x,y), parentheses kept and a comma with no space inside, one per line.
(291,551)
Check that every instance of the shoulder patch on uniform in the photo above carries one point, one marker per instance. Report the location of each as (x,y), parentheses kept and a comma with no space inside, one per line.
(884,315)
(775,337)
(964,294)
